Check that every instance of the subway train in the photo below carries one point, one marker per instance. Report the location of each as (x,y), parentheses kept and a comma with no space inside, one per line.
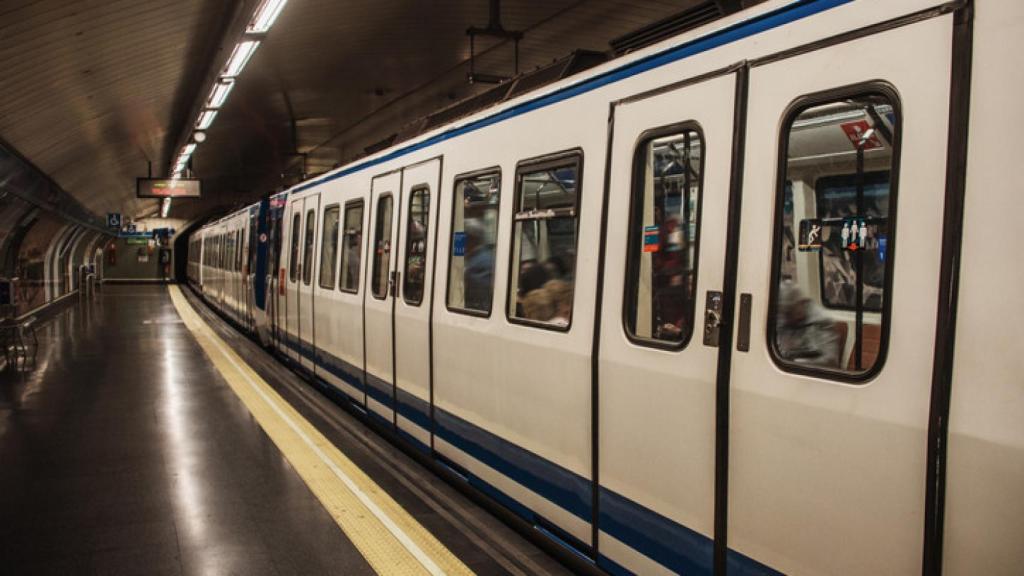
(738,302)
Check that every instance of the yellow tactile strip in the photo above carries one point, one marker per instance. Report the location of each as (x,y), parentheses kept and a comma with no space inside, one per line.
(383,532)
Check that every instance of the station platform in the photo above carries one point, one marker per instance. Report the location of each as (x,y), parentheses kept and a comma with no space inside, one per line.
(151,438)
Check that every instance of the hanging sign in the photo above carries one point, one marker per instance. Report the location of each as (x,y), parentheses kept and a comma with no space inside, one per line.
(114,220)
(810,235)
(652,236)
(168,188)
(855,132)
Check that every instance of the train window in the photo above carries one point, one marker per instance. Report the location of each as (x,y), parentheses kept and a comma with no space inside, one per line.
(382,248)
(352,247)
(834,244)
(473,241)
(329,247)
(544,242)
(661,268)
(293,264)
(416,245)
(307,245)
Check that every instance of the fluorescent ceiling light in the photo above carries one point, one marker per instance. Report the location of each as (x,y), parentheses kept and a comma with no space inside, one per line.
(206,119)
(165,208)
(239,57)
(220,92)
(189,149)
(265,16)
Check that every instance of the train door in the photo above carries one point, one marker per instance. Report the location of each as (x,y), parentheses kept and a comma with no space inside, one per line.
(838,280)
(378,301)
(306,333)
(670,167)
(417,218)
(278,272)
(293,278)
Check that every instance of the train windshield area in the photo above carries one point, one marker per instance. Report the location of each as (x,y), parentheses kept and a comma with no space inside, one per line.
(834,253)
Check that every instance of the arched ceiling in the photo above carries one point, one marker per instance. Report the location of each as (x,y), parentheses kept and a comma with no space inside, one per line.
(93,90)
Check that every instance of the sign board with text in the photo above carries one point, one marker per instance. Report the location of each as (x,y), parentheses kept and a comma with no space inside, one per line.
(168,188)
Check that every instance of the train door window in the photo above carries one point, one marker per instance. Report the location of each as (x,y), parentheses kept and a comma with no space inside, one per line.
(329,247)
(307,251)
(352,247)
(239,260)
(382,247)
(834,237)
(416,245)
(473,243)
(544,235)
(661,270)
(293,264)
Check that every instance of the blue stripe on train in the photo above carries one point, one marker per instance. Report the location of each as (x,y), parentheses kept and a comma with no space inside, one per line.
(661,539)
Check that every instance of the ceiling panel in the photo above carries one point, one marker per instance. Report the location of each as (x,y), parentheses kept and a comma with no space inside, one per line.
(94,89)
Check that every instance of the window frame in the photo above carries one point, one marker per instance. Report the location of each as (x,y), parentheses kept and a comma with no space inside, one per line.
(373,262)
(307,271)
(341,244)
(572,156)
(495,171)
(426,253)
(795,108)
(633,241)
(294,249)
(337,244)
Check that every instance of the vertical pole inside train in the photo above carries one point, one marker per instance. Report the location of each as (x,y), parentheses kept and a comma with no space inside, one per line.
(858,261)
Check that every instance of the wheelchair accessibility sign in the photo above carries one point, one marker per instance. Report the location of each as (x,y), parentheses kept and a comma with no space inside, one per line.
(114,220)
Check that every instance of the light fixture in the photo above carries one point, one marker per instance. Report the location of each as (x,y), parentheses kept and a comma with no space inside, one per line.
(265,16)
(189,149)
(206,119)
(199,136)
(239,57)
(165,208)
(220,92)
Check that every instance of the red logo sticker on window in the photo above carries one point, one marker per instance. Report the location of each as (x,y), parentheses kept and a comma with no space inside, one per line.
(855,132)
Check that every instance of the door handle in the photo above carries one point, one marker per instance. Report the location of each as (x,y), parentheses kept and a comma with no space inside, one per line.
(393,283)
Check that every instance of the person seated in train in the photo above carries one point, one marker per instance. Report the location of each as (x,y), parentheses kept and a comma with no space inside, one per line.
(532,276)
(538,305)
(354,247)
(478,271)
(803,333)
(556,267)
(561,294)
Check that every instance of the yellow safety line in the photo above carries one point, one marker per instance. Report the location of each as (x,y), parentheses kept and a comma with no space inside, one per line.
(385,534)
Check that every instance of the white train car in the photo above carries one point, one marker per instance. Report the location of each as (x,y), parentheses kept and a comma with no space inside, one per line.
(660,311)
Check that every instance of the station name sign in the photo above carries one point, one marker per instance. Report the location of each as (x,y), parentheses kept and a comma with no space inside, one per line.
(168,188)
